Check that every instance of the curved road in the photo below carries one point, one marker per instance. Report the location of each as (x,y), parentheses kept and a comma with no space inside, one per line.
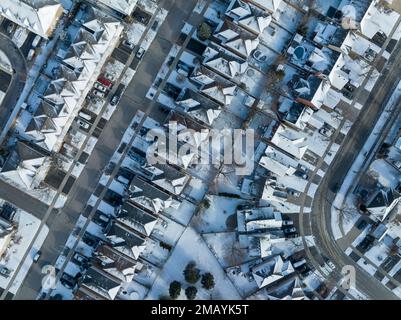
(14,90)
(17,83)
(319,221)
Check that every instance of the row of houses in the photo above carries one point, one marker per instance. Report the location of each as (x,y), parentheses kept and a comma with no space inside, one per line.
(329,68)
(138,234)
(58,95)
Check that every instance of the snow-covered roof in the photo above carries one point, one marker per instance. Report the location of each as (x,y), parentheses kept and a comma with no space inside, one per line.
(101,283)
(326,95)
(223,95)
(200,106)
(360,45)
(170,179)
(23,163)
(248,16)
(271,270)
(378,19)
(387,175)
(79,66)
(270,5)
(278,162)
(40,18)
(255,24)
(136,218)
(290,289)
(224,63)
(150,197)
(383,202)
(347,70)
(291,141)
(123,6)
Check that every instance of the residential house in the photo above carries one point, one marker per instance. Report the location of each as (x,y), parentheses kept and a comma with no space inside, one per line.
(224,63)
(122,239)
(76,65)
(271,270)
(126,7)
(199,106)
(270,6)
(97,284)
(39,17)
(378,22)
(7,232)
(248,16)
(306,55)
(236,39)
(136,218)
(25,165)
(149,197)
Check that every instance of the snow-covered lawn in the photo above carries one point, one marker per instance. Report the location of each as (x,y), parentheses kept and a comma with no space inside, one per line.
(167,230)
(214,218)
(196,189)
(191,247)
(225,247)
(183,214)
(350,215)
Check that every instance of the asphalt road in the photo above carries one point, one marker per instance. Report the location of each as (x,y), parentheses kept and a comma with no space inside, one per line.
(8,192)
(320,219)
(61,224)
(18,79)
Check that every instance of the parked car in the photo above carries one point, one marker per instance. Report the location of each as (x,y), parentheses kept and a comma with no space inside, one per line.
(37,256)
(85,116)
(107,83)
(109,77)
(331,265)
(288,223)
(80,260)
(155,25)
(128,44)
(293,192)
(98,93)
(67,281)
(362,225)
(11,27)
(31,54)
(327,132)
(292,235)
(100,87)
(117,94)
(290,230)
(299,263)
(140,53)
(115,100)
(123,180)
(83,124)
(36,41)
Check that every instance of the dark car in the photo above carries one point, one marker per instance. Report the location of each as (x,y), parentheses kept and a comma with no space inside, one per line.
(140,53)
(67,281)
(115,100)
(37,256)
(362,225)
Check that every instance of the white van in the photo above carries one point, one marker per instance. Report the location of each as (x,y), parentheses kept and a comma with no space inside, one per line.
(123,180)
(31,53)
(85,116)
(35,41)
